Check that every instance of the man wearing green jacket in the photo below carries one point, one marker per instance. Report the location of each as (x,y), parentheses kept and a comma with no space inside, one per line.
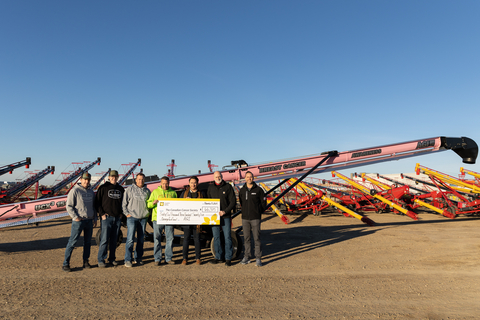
(164,191)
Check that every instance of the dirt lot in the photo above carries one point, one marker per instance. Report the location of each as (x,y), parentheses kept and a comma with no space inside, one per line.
(316,267)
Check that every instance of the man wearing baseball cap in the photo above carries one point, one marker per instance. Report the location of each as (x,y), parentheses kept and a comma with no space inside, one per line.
(109,207)
(80,207)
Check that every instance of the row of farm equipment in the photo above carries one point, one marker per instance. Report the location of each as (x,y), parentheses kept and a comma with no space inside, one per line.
(30,189)
(429,191)
(296,191)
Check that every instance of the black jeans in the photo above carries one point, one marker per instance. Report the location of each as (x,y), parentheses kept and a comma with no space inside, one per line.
(187,231)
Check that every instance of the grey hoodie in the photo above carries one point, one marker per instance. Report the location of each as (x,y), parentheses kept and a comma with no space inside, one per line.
(135,201)
(80,203)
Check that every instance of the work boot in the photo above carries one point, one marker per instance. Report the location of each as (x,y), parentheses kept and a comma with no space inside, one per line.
(86,265)
(228,263)
(215,261)
(184,262)
(198,262)
(66,268)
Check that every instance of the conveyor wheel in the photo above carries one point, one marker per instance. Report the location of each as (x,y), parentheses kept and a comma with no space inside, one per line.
(452,210)
(237,244)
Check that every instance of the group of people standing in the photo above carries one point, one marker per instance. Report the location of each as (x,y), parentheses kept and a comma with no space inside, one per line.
(137,203)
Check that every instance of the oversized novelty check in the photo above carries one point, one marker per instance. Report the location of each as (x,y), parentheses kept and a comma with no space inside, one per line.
(188,211)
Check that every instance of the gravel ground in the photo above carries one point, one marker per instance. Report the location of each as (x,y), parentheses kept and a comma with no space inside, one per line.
(316,267)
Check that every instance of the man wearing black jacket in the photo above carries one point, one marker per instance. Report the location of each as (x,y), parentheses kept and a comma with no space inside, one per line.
(223,191)
(252,199)
(109,207)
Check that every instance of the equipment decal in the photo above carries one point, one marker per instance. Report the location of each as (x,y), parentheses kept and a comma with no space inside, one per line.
(366,153)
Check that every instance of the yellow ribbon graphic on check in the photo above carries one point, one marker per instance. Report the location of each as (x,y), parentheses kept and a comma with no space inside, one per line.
(212,220)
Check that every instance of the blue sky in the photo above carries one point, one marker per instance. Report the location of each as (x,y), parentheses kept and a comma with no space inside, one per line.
(224,80)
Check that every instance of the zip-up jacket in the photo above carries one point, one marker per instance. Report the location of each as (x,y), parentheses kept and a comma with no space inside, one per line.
(80,203)
(252,201)
(109,199)
(226,194)
(135,201)
(189,194)
(159,193)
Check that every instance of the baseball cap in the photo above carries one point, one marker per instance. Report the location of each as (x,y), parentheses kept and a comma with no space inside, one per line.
(86,175)
(113,173)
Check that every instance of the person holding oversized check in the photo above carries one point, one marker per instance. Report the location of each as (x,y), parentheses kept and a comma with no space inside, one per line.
(219,189)
(164,191)
(191,192)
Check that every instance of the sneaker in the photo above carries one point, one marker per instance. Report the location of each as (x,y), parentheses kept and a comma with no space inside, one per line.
(101,264)
(245,261)
(114,263)
(170,262)
(198,262)
(139,263)
(86,265)
(214,261)
(259,263)
(184,262)
(66,268)
(228,263)
(156,263)
(128,264)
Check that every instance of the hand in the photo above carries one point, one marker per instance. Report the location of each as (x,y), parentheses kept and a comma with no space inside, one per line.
(155,201)
(129,215)
(104,217)
(222,213)
(78,219)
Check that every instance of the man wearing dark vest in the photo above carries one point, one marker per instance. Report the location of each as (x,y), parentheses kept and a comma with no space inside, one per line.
(191,192)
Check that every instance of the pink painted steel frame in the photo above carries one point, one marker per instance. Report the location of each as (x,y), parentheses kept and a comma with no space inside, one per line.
(262,172)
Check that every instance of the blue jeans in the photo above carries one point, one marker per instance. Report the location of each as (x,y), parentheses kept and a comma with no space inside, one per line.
(109,235)
(226,225)
(157,244)
(138,225)
(77,227)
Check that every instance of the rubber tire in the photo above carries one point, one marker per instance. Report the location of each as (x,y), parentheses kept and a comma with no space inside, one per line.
(237,244)
(119,239)
(452,211)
